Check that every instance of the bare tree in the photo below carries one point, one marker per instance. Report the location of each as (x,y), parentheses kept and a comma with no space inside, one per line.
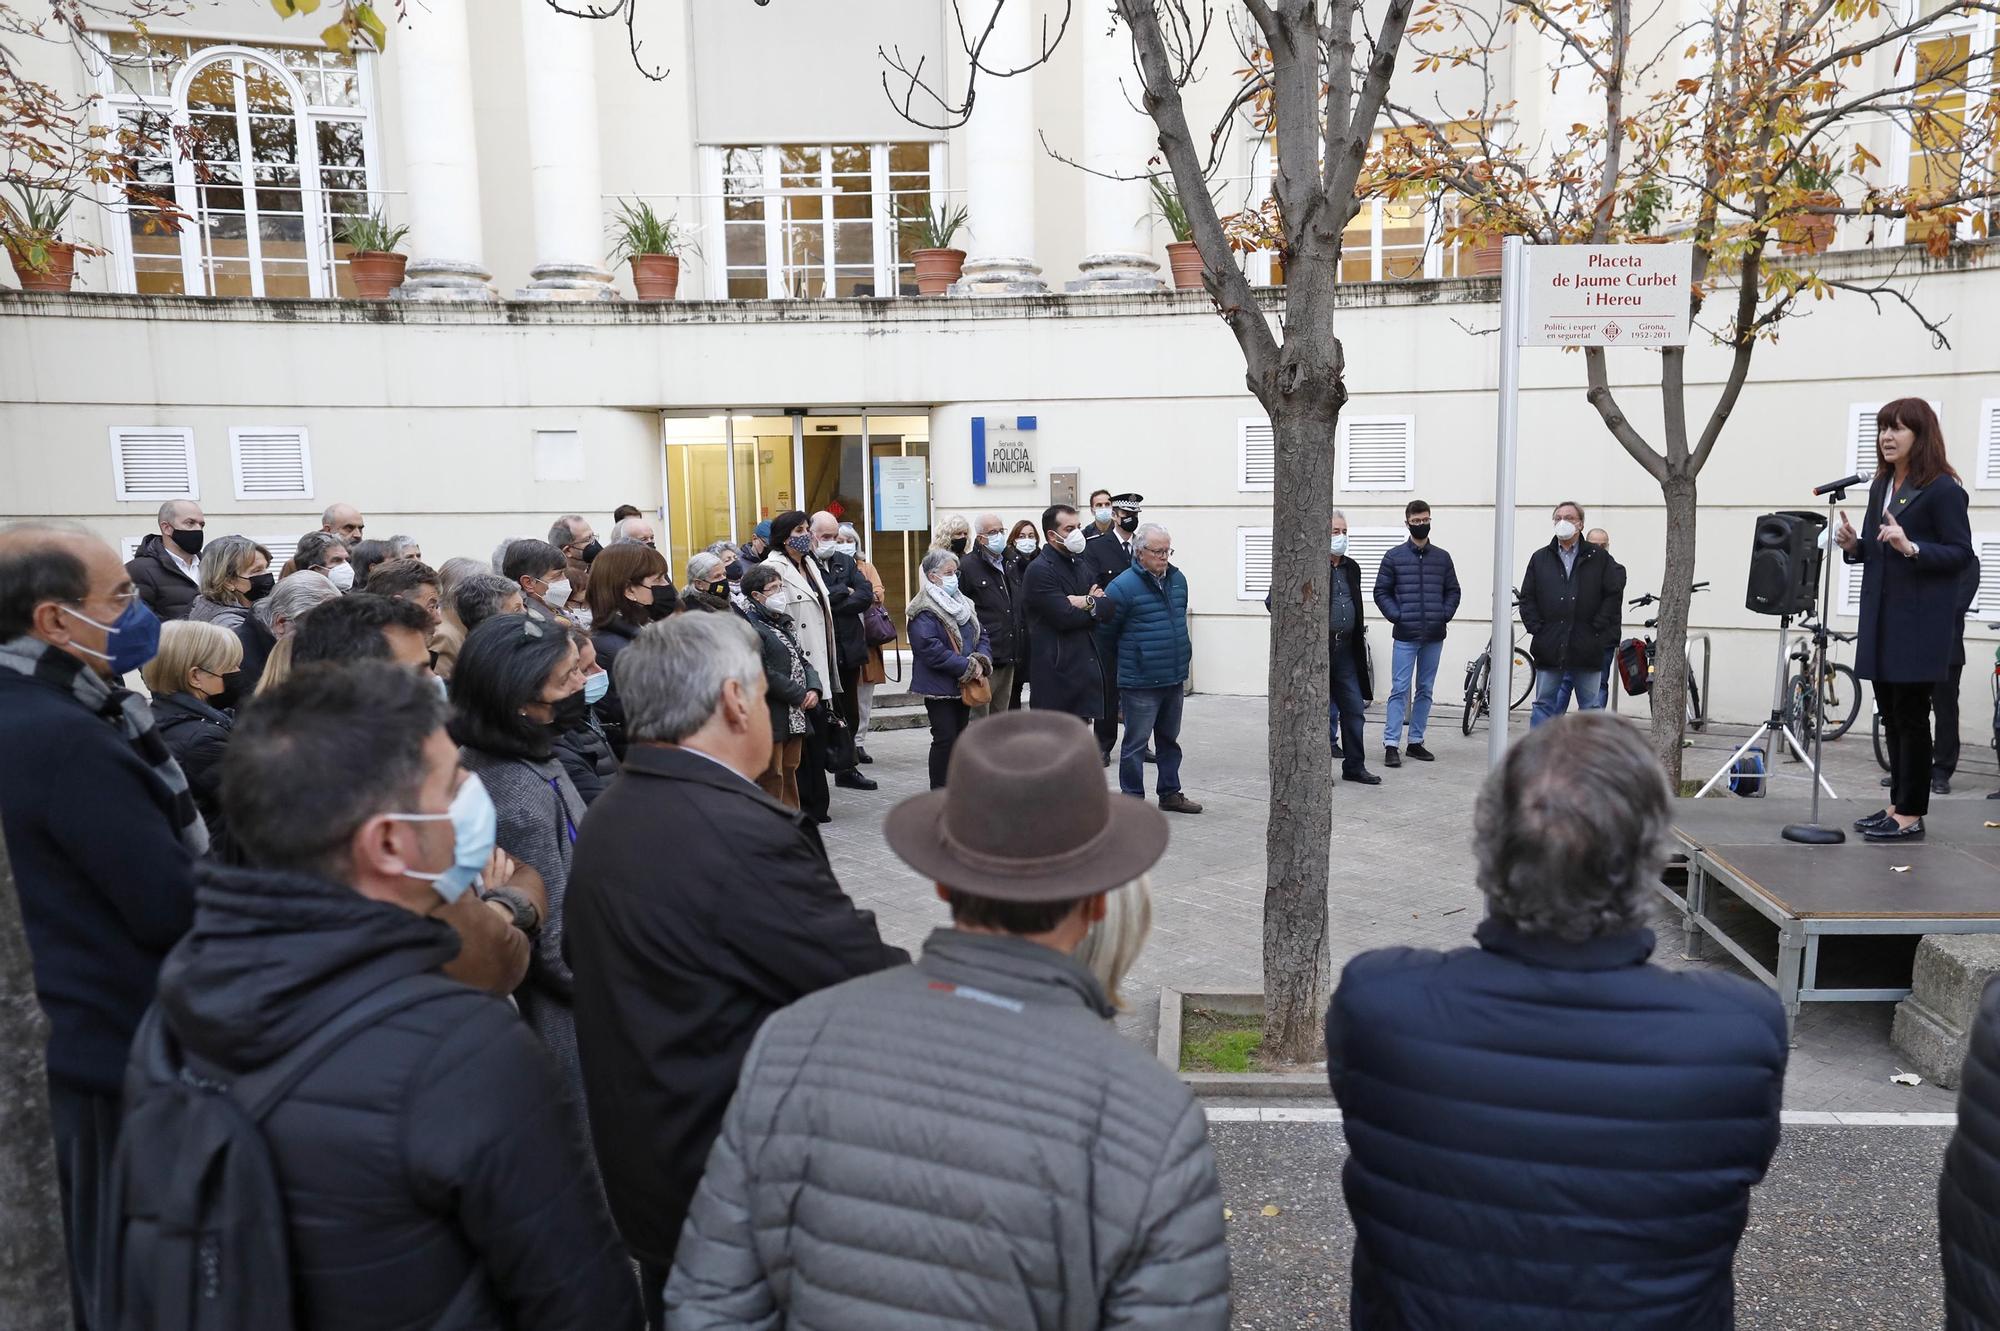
(1319,86)
(34,1271)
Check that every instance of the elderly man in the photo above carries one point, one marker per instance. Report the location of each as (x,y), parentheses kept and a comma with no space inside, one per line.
(542,572)
(572,534)
(635,530)
(1570,605)
(167,566)
(344,521)
(323,552)
(982,577)
(102,831)
(697,906)
(969,1142)
(294,598)
(849,594)
(1546,1129)
(1147,641)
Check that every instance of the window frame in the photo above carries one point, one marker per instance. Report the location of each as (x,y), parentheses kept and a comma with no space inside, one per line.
(1981,31)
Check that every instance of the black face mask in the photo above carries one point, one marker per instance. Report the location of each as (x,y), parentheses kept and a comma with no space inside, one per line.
(1129,521)
(189,541)
(571,713)
(657,611)
(260,585)
(591,552)
(958,545)
(232,692)
(720,590)
(1420,531)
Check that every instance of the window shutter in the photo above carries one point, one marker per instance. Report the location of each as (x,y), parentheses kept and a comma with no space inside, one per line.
(271,462)
(1989,443)
(282,548)
(1861,441)
(1850,586)
(128,549)
(1256,455)
(1253,563)
(1366,546)
(1986,605)
(153,462)
(1377,452)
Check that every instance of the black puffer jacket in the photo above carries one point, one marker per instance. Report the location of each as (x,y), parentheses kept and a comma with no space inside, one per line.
(1969,1187)
(198,736)
(162,586)
(429,1157)
(1572,616)
(585,754)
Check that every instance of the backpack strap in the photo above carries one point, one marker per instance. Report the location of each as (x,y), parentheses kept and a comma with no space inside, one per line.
(262,1091)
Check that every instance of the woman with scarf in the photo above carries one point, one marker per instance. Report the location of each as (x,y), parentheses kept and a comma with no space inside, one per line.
(950,650)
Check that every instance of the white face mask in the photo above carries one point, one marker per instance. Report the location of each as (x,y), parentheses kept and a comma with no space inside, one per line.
(825,548)
(847,548)
(1074,542)
(341,575)
(558,594)
(1565,530)
(777,601)
(1026,545)
(1340,544)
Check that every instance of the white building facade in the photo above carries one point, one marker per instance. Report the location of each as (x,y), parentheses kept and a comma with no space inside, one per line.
(799,369)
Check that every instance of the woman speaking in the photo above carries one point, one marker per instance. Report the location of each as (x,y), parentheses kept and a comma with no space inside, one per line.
(1914,546)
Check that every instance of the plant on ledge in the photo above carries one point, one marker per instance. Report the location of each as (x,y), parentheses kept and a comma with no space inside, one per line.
(933,229)
(375,264)
(651,244)
(42,260)
(1183,256)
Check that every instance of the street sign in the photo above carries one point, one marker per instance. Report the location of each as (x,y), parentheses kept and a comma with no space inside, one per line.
(902,494)
(1607,295)
(1003,450)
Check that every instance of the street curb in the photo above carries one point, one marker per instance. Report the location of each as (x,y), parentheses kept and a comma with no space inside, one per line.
(1167,1047)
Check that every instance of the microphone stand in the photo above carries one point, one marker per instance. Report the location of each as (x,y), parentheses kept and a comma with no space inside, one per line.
(1811,833)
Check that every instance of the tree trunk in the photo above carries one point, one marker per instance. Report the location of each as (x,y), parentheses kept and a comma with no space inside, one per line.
(1296,840)
(34,1272)
(1670,675)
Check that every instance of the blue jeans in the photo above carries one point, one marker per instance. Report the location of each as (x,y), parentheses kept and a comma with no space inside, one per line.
(1553,689)
(1603,688)
(1420,659)
(1346,711)
(1151,714)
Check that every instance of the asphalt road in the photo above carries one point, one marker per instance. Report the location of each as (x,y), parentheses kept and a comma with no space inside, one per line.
(1842,1237)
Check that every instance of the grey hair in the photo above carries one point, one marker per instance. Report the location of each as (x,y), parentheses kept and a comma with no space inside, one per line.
(848,531)
(294,596)
(936,558)
(454,571)
(1114,942)
(171,510)
(327,514)
(1147,531)
(703,568)
(312,549)
(621,532)
(563,530)
(400,546)
(725,550)
(670,677)
(1338,514)
(1571,832)
(478,598)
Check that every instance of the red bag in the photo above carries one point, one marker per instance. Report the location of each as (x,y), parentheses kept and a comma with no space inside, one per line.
(1635,673)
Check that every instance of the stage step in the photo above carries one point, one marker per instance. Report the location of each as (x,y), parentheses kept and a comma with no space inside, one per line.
(1932,1026)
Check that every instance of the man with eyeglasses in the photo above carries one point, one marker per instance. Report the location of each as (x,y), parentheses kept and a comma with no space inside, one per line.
(102,834)
(1151,651)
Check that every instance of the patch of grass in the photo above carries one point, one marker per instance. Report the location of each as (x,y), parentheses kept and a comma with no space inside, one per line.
(1220,1041)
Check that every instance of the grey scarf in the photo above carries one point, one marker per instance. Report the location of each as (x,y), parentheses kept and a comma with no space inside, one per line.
(120,707)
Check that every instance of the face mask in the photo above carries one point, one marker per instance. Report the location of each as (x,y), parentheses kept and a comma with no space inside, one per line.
(444,691)
(260,586)
(130,642)
(592,551)
(1420,531)
(1103,516)
(658,610)
(596,686)
(475,824)
(996,543)
(1129,522)
(230,693)
(1026,545)
(341,576)
(189,541)
(1565,530)
(949,582)
(719,589)
(826,549)
(558,594)
(1074,542)
(1339,544)
(848,548)
(568,712)
(799,543)
(776,602)
(958,545)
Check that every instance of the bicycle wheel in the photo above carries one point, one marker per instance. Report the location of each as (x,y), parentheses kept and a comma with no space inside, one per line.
(1475,693)
(1524,677)
(1800,714)
(1696,718)
(1881,748)
(1840,695)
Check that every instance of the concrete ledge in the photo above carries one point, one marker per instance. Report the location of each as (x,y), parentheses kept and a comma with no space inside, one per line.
(1236,1002)
(1933,1025)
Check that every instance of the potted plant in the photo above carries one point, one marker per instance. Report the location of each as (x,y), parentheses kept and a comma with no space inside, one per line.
(938,264)
(1183,255)
(652,244)
(1810,232)
(373,261)
(42,262)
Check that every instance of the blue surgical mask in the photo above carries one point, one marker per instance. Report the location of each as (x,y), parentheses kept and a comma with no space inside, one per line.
(997,542)
(129,642)
(949,582)
(475,826)
(596,686)
(1339,544)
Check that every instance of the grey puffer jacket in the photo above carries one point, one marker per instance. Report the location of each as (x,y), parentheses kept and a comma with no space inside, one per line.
(964,1142)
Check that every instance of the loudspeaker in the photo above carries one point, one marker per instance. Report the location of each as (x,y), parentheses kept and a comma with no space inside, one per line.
(1785,563)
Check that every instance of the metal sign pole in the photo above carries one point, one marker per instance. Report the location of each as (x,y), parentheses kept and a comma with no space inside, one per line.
(1513,260)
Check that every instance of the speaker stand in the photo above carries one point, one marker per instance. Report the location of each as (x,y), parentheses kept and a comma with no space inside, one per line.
(1773,726)
(1811,833)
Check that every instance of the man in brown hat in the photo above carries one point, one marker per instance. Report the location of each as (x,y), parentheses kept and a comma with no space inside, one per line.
(967,1141)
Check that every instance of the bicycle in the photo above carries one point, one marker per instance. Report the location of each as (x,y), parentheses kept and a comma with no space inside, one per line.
(1697,712)
(1839,689)
(1479,676)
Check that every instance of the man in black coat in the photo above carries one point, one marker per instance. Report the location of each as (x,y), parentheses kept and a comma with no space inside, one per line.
(167,567)
(1350,684)
(1064,604)
(1108,552)
(1944,702)
(1569,605)
(983,578)
(849,593)
(697,907)
(427,1161)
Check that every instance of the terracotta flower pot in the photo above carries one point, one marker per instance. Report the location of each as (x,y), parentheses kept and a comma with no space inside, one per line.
(1810,233)
(1481,260)
(376,273)
(937,270)
(656,276)
(59,275)
(1184,257)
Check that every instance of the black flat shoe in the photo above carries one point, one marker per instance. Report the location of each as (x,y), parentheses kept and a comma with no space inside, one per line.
(1364,777)
(1890,832)
(1940,785)
(853,780)
(1875,819)
(1420,753)
(861,755)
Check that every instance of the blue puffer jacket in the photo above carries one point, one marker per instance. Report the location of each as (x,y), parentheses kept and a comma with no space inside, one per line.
(1550,1135)
(1417,591)
(1148,629)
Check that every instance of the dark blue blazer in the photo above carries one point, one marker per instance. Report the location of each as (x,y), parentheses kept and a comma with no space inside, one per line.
(1912,620)
(1550,1135)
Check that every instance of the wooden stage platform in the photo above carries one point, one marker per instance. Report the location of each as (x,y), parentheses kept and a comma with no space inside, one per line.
(1948,883)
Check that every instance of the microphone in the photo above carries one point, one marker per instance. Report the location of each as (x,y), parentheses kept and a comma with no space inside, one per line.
(1844,483)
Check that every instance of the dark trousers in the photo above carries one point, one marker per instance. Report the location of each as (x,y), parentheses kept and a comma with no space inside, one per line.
(1906,727)
(1944,707)
(1346,710)
(1106,724)
(86,1133)
(814,798)
(848,703)
(949,718)
(653,1294)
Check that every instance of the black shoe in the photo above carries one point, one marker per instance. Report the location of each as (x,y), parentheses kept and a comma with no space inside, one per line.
(1107,757)
(1149,756)
(1420,753)
(1940,785)
(1340,753)
(852,780)
(821,818)
(1885,783)
(1875,819)
(1391,758)
(1994,796)
(1362,776)
(1890,832)
(861,755)
(1175,802)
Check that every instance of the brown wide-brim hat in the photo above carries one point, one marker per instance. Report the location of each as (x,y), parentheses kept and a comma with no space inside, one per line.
(1025,816)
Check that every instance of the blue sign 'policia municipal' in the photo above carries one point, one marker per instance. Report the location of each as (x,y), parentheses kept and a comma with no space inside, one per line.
(1003,451)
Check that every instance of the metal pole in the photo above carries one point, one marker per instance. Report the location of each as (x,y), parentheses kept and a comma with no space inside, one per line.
(729,473)
(866,527)
(1513,264)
